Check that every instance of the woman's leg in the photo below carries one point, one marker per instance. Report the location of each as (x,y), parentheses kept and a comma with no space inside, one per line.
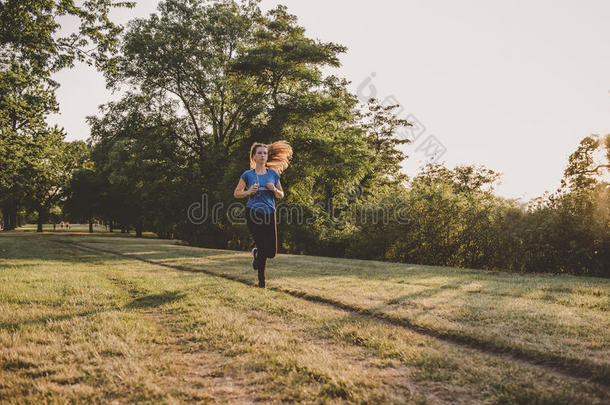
(256,224)
(269,246)
(268,236)
(271,237)
(263,229)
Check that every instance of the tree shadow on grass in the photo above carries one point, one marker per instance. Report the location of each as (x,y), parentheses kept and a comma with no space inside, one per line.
(155,300)
(83,249)
(52,318)
(147,301)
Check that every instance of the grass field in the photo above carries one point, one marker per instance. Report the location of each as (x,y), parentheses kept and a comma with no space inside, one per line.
(100,318)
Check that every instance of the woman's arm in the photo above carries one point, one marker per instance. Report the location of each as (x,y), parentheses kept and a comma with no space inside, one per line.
(277,189)
(240,189)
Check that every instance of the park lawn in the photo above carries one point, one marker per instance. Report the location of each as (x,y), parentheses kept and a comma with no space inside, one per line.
(83,325)
(559,320)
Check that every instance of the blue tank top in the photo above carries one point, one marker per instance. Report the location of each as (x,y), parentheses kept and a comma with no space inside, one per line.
(263,200)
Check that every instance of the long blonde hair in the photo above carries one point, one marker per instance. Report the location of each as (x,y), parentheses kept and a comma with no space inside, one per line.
(278,155)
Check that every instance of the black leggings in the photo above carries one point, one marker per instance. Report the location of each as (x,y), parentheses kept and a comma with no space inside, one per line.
(263,229)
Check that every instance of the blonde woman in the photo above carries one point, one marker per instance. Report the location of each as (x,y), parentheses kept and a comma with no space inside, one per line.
(261,184)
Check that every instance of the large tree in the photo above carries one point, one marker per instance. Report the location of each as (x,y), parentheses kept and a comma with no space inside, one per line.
(25,100)
(50,167)
(142,165)
(218,75)
(31,50)
(228,68)
(588,164)
(29,34)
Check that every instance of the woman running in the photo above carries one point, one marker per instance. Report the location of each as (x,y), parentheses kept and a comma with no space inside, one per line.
(262,185)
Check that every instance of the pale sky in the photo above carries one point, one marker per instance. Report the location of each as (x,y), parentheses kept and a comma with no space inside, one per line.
(512,85)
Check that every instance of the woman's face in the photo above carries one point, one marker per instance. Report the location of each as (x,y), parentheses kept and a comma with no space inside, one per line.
(260,154)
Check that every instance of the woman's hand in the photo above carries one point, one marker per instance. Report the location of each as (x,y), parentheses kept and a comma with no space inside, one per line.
(253,189)
(277,191)
(242,192)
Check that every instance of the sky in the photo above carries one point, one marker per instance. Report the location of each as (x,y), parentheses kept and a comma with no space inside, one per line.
(511,85)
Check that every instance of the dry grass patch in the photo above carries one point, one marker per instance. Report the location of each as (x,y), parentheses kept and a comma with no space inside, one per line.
(82,326)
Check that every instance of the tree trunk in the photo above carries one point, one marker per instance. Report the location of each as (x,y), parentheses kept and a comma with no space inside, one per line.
(10,219)
(110,226)
(90,226)
(5,220)
(139,227)
(43,214)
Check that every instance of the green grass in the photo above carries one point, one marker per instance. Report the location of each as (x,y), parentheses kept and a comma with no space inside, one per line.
(81,325)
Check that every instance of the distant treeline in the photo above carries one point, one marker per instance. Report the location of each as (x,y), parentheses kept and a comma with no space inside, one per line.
(206,80)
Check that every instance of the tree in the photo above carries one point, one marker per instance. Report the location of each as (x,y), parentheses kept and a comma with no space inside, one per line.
(381,125)
(580,226)
(145,173)
(29,35)
(49,171)
(222,75)
(215,60)
(31,50)
(184,56)
(468,178)
(24,102)
(587,165)
(84,196)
